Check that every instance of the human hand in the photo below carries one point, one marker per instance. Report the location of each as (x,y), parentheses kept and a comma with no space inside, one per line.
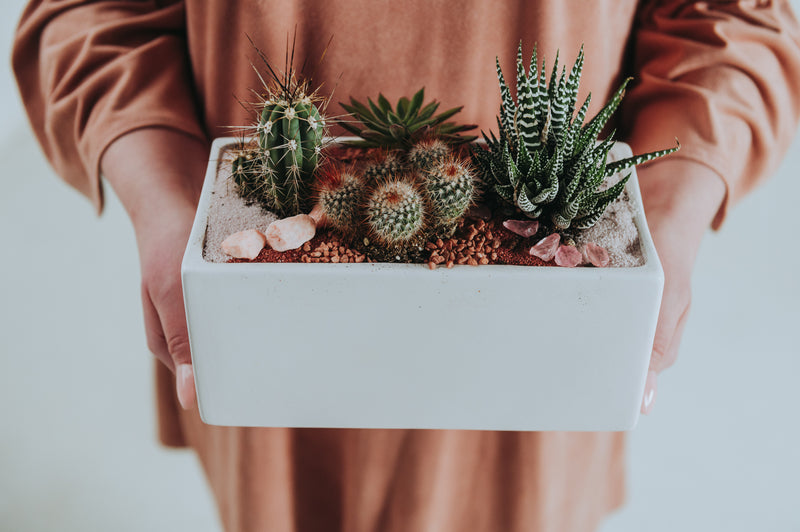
(680,200)
(160,192)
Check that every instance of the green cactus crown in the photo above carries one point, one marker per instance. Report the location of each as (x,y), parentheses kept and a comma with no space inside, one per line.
(290,128)
(547,162)
(402,126)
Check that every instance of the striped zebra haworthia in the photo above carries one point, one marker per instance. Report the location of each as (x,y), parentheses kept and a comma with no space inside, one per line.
(546,161)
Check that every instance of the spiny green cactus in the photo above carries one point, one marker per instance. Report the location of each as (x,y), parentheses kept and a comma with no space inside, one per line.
(427,153)
(290,129)
(384,167)
(339,194)
(289,140)
(450,188)
(395,216)
(402,126)
(546,163)
(246,170)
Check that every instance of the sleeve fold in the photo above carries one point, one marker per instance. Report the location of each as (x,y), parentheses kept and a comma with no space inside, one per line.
(90,72)
(723,77)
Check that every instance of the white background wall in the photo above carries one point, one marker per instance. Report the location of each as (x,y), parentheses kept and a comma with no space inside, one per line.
(77,440)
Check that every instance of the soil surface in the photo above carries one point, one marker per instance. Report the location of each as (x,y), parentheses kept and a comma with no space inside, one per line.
(477,241)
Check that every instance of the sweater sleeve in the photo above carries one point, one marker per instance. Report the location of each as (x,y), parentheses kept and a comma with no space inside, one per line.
(92,71)
(721,76)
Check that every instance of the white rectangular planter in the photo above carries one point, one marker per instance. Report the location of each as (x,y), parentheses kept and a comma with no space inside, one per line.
(400,346)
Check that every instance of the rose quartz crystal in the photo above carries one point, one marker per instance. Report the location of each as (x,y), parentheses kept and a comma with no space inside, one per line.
(568,256)
(291,233)
(319,217)
(244,244)
(523,228)
(595,254)
(546,248)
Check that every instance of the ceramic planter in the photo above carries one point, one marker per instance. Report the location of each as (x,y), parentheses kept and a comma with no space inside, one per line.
(400,346)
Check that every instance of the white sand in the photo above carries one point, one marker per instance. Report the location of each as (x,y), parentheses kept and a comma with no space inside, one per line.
(229,213)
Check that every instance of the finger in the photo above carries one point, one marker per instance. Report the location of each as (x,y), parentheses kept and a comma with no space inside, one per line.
(661,360)
(650,389)
(176,336)
(664,357)
(154,333)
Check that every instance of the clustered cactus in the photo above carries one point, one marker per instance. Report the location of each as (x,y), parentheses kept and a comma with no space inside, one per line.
(403,126)
(279,171)
(392,213)
(545,163)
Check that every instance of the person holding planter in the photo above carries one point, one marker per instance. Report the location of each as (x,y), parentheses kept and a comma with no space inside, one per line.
(134,90)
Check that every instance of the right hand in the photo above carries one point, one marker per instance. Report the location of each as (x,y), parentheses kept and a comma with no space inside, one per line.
(157,174)
(162,240)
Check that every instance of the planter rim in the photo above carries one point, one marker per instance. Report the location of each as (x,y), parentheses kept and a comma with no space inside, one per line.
(193,256)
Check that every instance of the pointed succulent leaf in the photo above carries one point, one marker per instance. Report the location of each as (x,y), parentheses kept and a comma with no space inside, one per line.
(525,204)
(416,103)
(628,162)
(402,106)
(506,192)
(575,128)
(595,125)
(384,104)
(507,103)
(376,111)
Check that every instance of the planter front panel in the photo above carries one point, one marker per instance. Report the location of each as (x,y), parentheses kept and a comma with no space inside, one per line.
(371,346)
(400,346)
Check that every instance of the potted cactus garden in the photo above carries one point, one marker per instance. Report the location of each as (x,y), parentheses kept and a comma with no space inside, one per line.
(410,277)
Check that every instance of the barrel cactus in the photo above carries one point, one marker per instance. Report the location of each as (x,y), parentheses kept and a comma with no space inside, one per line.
(384,167)
(428,152)
(450,189)
(548,163)
(395,216)
(340,193)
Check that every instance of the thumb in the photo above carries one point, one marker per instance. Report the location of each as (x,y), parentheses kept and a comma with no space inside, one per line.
(176,336)
(669,330)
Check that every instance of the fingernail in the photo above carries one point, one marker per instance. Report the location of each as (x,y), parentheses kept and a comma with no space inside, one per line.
(650,386)
(184,377)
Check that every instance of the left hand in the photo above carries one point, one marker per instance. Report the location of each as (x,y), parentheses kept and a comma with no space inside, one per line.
(680,199)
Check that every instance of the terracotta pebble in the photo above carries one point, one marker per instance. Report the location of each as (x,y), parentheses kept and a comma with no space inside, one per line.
(245,244)
(291,233)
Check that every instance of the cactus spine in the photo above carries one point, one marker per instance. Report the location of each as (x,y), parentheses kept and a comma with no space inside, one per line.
(395,215)
(278,171)
(427,153)
(384,168)
(340,194)
(450,189)
(246,172)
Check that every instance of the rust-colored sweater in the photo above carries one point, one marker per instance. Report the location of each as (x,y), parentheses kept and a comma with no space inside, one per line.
(722,76)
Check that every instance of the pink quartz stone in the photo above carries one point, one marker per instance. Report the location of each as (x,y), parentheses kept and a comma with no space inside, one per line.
(291,233)
(546,248)
(244,244)
(319,217)
(523,228)
(597,255)
(568,256)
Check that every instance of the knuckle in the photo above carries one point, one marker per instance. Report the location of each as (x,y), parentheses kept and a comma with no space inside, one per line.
(178,347)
